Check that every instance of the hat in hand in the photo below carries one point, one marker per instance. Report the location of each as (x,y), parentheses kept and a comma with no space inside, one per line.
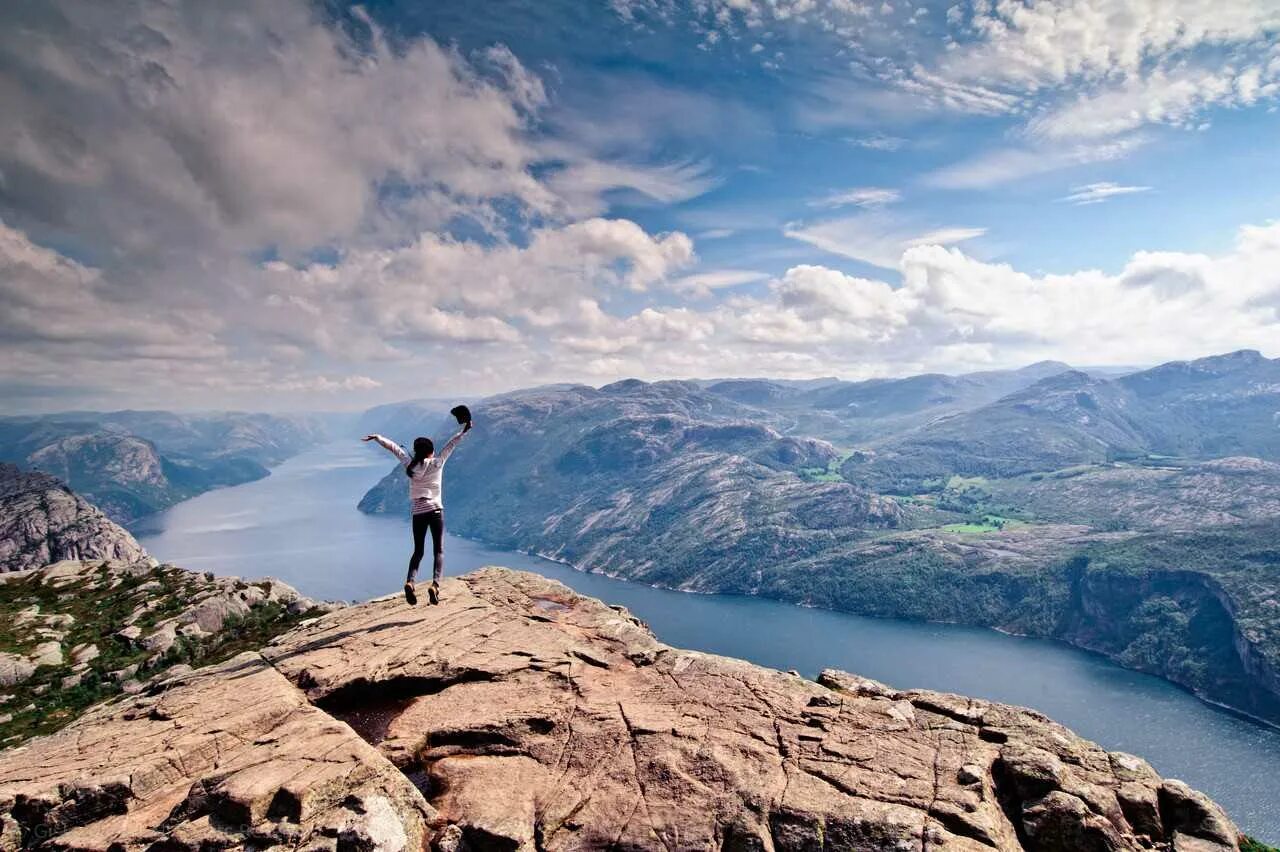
(461,413)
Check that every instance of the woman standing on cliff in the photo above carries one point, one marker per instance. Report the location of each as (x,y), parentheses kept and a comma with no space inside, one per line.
(425,470)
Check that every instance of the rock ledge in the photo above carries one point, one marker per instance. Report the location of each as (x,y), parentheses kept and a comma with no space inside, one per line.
(518,715)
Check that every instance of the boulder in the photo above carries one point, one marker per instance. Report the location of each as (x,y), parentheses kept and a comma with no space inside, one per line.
(15,669)
(47,654)
(84,653)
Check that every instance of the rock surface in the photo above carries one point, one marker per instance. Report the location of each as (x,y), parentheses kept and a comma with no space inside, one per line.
(519,715)
(42,521)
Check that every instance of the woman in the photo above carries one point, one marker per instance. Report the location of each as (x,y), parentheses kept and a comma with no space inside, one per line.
(426,497)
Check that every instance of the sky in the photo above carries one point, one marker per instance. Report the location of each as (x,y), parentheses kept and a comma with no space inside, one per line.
(291,205)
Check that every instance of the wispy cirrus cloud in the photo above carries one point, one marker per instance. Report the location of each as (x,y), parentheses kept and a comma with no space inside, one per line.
(1096,193)
(867,197)
(1003,165)
(878,238)
(878,142)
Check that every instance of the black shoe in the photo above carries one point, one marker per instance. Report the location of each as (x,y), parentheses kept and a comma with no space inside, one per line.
(410,595)
(433,593)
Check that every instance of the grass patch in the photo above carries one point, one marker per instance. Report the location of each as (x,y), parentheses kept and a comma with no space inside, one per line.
(1248,844)
(830,473)
(987,524)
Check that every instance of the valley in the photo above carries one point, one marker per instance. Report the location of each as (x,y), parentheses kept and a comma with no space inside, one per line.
(134,463)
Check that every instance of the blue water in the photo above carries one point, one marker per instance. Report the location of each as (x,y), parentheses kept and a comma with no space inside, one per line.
(300,525)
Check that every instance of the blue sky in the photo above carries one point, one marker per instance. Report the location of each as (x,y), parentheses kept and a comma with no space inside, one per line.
(331,206)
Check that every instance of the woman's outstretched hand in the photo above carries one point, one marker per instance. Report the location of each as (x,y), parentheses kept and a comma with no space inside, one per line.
(367,438)
(466,427)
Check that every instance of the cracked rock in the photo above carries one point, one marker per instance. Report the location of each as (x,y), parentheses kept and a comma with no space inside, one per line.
(519,715)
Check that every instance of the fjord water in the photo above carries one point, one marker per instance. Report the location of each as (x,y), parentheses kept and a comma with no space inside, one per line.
(300,524)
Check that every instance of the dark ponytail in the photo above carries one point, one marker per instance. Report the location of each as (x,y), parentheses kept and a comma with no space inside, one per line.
(423,448)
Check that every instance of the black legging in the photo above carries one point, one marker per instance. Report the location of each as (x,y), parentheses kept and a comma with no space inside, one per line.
(433,521)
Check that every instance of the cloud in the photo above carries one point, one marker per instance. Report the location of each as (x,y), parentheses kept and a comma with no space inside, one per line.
(1098,68)
(48,300)
(868,197)
(258,203)
(1096,193)
(704,283)
(1176,97)
(326,384)
(877,238)
(1003,165)
(583,185)
(144,130)
(443,290)
(167,150)
(878,142)
(953,312)
(727,18)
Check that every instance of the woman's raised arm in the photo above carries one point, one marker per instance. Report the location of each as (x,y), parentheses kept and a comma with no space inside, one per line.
(390,446)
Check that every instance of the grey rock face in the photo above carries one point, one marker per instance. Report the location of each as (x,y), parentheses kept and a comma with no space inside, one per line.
(42,522)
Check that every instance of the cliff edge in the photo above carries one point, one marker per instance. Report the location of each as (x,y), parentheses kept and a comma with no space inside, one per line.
(519,715)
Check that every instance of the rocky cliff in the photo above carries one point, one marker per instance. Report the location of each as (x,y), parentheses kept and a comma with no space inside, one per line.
(42,521)
(520,716)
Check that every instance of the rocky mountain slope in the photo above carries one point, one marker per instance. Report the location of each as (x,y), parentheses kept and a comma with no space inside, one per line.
(1164,494)
(992,515)
(75,632)
(521,716)
(42,521)
(577,471)
(133,463)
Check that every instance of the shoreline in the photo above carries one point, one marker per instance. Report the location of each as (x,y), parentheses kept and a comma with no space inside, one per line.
(1205,699)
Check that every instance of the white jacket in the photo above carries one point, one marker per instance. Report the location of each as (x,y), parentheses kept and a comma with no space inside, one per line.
(426,487)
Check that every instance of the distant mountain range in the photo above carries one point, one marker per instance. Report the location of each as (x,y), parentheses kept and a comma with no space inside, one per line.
(1227,405)
(1044,500)
(133,463)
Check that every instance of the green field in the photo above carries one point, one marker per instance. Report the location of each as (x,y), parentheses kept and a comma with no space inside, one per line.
(830,473)
(988,524)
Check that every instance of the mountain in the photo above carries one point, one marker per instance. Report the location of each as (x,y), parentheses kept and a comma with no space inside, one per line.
(578,472)
(846,412)
(266,439)
(1011,515)
(1067,419)
(407,419)
(1227,405)
(518,715)
(134,463)
(42,521)
(1158,495)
